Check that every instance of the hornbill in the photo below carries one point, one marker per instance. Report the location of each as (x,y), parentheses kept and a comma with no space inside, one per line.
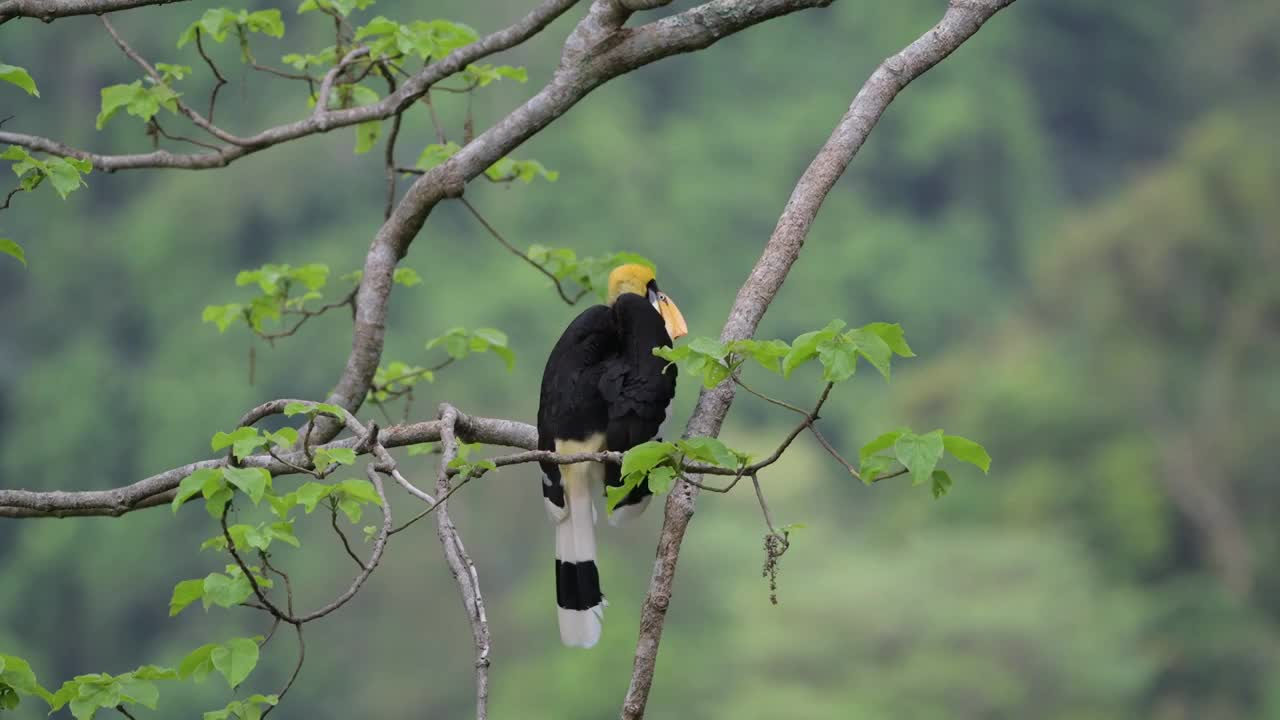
(602,389)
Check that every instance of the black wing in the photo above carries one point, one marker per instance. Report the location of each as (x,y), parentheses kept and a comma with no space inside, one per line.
(570,406)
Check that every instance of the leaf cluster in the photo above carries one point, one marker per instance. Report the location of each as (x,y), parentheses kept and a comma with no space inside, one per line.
(285,289)
(660,463)
(838,352)
(919,454)
(64,174)
(505,169)
(461,342)
(590,273)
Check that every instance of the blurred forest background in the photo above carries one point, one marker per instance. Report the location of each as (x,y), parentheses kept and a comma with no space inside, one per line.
(1075,218)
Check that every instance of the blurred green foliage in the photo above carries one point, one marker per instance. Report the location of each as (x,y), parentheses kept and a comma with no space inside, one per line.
(1074,217)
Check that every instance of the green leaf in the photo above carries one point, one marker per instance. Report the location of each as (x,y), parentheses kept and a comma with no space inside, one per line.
(919,453)
(185,593)
(64,176)
(252,481)
(18,76)
(436,154)
(406,276)
(367,135)
(709,450)
(216,499)
(281,505)
(351,509)
(283,438)
(839,359)
(9,247)
(225,591)
(267,22)
(893,336)
(95,691)
(768,353)
(222,315)
(661,479)
(136,690)
(235,659)
(805,347)
(968,451)
(324,457)
(941,483)
(243,441)
(139,101)
(361,491)
(64,695)
(16,673)
(194,483)
(422,449)
(707,346)
(643,457)
(872,347)
(880,444)
(311,493)
(155,672)
(173,72)
(313,409)
(313,275)
(282,531)
(197,664)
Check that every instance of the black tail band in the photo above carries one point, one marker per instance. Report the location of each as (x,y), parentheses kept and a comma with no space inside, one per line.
(577,585)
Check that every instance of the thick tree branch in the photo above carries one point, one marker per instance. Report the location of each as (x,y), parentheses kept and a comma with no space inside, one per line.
(158,489)
(50,10)
(962,19)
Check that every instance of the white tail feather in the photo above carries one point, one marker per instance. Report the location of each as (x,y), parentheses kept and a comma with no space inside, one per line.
(576,541)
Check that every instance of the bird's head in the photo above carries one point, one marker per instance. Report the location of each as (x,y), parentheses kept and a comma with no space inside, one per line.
(639,279)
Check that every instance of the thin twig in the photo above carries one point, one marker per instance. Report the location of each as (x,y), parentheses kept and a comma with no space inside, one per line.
(288,586)
(766,398)
(217,75)
(9,197)
(271,632)
(180,138)
(834,453)
(302,656)
(466,479)
(518,253)
(764,506)
(333,515)
(253,581)
(326,85)
(305,315)
(435,119)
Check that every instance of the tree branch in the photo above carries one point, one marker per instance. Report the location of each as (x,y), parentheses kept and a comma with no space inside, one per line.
(318,122)
(158,489)
(50,10)
(460,565)
(962,19)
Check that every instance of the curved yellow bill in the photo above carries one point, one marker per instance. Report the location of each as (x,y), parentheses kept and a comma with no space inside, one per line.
(672,318)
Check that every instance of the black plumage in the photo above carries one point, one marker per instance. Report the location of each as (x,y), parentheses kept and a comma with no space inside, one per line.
(602,388)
